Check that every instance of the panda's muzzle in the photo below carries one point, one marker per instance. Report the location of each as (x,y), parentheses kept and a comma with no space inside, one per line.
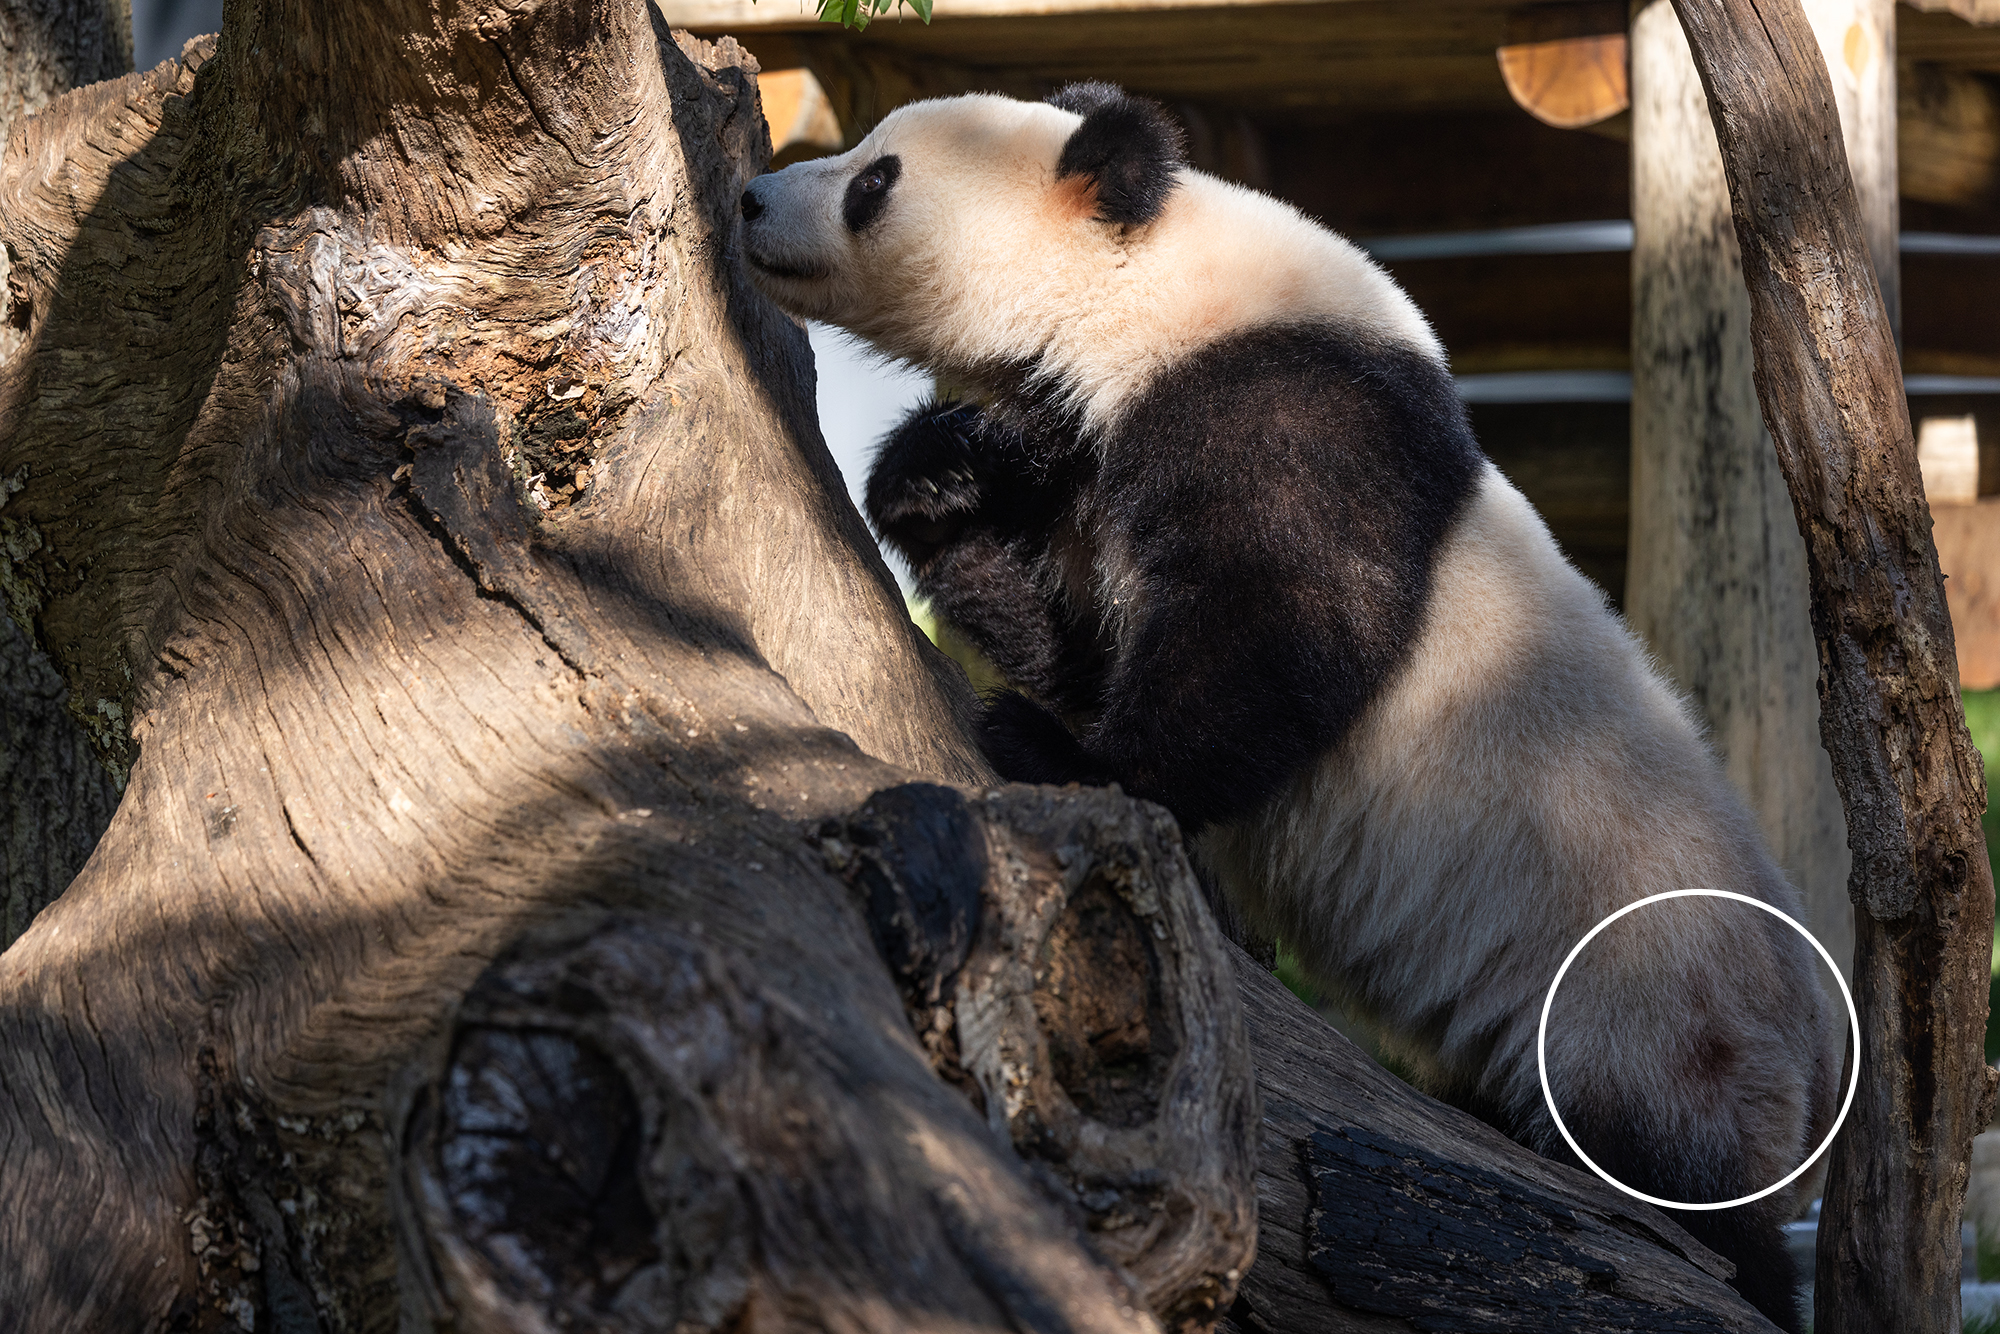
(779,270)
(754,208)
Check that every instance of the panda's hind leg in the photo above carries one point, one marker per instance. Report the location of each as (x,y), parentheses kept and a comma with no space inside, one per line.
(1659,1157)
(1752,1237)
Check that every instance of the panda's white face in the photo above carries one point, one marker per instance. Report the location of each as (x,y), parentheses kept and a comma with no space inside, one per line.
(935,237)
(977,236)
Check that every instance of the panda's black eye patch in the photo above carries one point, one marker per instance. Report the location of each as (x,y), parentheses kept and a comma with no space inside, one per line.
(868,192)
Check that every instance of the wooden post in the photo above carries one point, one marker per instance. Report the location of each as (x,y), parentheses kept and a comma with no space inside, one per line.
(1910,780)
(1717,573)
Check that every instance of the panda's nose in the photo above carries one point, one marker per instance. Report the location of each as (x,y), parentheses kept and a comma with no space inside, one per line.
(753,207)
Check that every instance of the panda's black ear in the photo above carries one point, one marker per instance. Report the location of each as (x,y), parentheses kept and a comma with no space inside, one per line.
(1128,147)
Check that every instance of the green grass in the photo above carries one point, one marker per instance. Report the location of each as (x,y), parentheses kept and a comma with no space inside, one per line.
(1982,716)
(1289,972)
(1983,1324)
(985,677)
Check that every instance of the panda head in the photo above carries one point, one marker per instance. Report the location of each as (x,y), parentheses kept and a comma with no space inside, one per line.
(962,232)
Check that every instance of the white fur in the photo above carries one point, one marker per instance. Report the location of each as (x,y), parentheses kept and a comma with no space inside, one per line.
(1526,773)
(983,257)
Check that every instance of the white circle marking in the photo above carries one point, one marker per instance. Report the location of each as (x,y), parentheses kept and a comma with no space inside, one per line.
(1853,1017)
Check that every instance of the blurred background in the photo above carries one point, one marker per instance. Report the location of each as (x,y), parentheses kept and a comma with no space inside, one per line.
(159,27)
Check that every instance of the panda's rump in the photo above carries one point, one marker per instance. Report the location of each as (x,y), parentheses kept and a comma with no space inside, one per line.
(1523,774)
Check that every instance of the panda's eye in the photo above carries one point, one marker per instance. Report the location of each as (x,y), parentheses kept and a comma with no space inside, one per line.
(868,192)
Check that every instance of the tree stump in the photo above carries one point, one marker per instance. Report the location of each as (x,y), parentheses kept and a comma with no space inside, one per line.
(435,526)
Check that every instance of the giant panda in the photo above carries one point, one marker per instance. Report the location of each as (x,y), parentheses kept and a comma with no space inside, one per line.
(1211,502)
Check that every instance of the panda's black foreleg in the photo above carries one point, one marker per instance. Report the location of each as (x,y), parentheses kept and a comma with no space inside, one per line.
(1026,743)
(969,504)
(931,479)
(984,585)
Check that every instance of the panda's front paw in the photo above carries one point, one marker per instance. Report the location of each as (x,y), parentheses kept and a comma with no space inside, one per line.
(927,481)
(1025,743)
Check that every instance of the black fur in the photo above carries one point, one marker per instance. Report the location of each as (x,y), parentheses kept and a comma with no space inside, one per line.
(1279,498)
(972,507)
(1128,147)
(1753,1239)
(1667,1160)
(868,193)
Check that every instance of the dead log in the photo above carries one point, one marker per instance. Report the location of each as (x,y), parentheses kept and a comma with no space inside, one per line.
(1050,953)
(1912,784)
(1380,1209)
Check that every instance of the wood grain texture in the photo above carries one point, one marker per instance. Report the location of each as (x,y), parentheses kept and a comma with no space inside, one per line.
(1570,82)
(1716,572)
(437,525)
(1383,1210)
(55,796)
(1890,718)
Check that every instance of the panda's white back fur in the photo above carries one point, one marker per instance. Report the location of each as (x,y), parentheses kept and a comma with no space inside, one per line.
(1527,773)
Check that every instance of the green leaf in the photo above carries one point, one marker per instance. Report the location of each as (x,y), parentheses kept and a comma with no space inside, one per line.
(847,13)
(856,14)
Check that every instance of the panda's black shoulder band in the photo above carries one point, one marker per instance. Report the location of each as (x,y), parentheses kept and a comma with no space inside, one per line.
(1129,147)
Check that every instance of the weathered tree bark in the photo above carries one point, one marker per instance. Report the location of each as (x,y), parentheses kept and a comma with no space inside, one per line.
(48,47)
(1017,927)
(401,453)
(1716,581)
(55,799)
(1911,782)
(1381,1210)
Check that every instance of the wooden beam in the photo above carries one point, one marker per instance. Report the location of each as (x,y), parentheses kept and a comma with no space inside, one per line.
(1280,58)
(1948,135)
(740,16)
(1283,57)
(1972,11)
(1565,64)
(1946,39)
(1570,83)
